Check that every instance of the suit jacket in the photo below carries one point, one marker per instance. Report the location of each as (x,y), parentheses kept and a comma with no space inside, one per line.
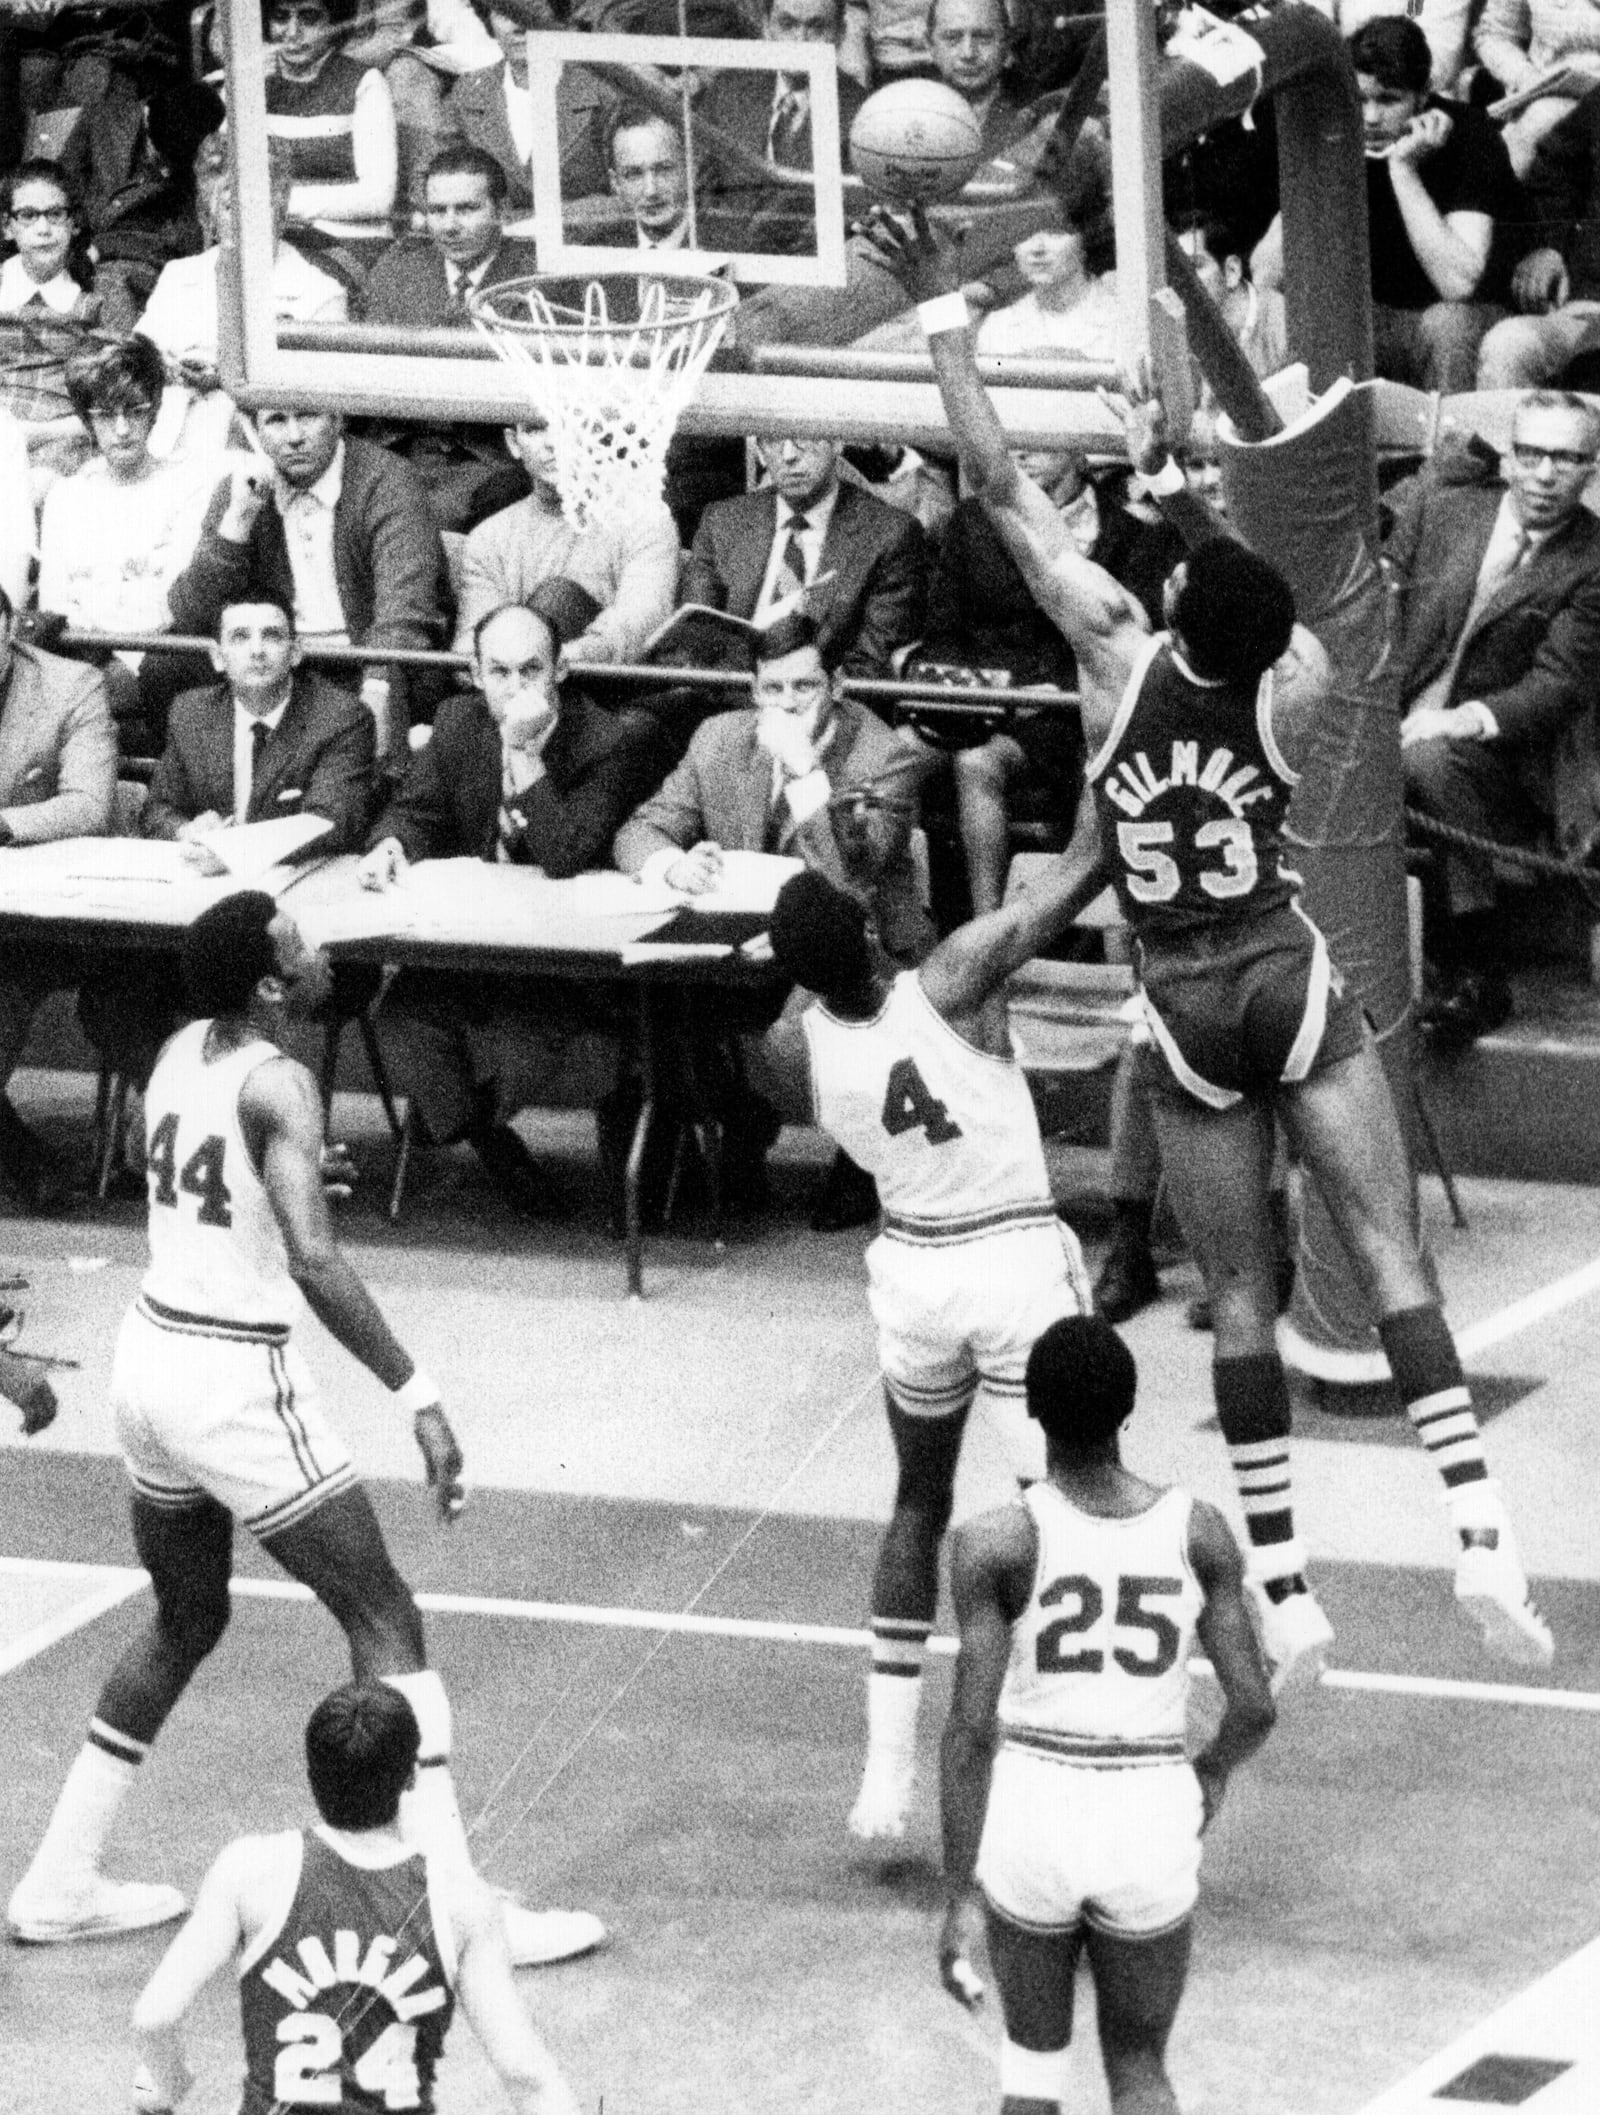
(387,559)
(1532,650)
(58,749)
(721,793)
(475,113)
(876,553)
(596,768)
(409,287)
(740,104)
(318,760)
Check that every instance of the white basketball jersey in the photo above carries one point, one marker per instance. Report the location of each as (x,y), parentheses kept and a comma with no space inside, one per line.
(947,1132)
(215,1248)
(1099,1658)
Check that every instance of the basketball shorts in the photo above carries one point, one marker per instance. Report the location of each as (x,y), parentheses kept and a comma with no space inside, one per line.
(206,1408)
(1064,1844)
(1238,1014)
(954,1315)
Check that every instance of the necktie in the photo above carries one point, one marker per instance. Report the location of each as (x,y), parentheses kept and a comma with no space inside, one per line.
(783,131)
(1492,577)
(792,572)
(459,289)
(259,731)
(512,823)
(1506,563)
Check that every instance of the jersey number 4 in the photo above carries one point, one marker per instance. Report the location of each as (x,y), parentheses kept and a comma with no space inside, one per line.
(307,2072)
(909,1105)
(200,1176)
(1156,1633)
(1154,876)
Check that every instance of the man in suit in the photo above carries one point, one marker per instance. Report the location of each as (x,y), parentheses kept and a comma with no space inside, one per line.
(427,282)
(58,776)
(864,562)
(969,42)
(493,109)
(341,535)
(770,115)
(270,739)
(1499,638)
(525,770)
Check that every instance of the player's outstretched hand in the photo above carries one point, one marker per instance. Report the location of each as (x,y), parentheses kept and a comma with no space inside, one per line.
(338,1170)
(30,1391)
(442,1458)
(1143,416)
(926,262)
(958,1941)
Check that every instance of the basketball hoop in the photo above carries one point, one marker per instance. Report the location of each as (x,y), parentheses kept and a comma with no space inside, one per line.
(611,393)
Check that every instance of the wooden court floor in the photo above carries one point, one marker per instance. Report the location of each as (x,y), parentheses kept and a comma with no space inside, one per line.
(649,1621)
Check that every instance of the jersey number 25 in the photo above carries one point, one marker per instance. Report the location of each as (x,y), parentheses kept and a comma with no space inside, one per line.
(1157,1634)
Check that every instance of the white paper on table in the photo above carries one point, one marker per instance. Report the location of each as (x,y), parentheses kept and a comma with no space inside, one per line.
(749,881)
(671,951)
(611,895)
(119,859)
(365,914)
(247,850)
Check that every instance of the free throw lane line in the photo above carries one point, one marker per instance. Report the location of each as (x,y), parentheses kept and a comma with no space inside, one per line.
(106,1586)
(1528,1312)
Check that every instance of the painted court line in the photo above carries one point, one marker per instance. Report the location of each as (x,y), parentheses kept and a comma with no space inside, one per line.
(1525,1313)
(119,1583)
(1542,2047)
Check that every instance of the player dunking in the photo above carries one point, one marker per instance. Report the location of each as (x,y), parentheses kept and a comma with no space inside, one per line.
(218,1419)
(1064,1784)
(1192,736)
(913,1076)
(352,1948)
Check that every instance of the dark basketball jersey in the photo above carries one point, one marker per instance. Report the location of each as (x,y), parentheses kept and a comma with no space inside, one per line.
(346,2006)
(1191,791)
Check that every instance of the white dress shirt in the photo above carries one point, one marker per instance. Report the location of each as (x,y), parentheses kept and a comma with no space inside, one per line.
(308,531)
(61,295)
(244,749)
(818,515)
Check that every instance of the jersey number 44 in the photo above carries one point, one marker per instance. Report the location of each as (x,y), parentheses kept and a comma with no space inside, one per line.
(202,1175)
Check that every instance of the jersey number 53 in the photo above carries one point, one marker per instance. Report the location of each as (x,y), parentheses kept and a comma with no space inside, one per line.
(1154,876)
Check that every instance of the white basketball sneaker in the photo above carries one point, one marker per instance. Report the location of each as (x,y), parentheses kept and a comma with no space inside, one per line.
(54,1913)
(1492,1589)
(1295,1635)
(883,1805)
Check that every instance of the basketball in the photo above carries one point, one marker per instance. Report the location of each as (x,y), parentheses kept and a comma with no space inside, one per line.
(915,140)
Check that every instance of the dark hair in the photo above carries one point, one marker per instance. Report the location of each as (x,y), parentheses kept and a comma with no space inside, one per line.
(566,606)
(819,936)
(523,609)
(463,159)
(770,642)
(7,611)
(1080,1383)
(362,1743)
(1234,613)
(1394,52)
(633,117)
(227,951)
(39,169)
(117,376)
(339,12)
(838,7)
(250,602)
(999,6)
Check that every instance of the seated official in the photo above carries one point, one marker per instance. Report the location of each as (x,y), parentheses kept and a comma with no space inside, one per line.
(864,563)
(629,566)
(58,777)
(269,739)
(527,771)
(340,534)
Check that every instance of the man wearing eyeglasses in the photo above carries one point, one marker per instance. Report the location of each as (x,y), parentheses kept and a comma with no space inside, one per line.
(1497,639)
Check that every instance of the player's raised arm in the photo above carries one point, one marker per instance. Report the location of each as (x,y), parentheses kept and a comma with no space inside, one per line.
(1093,612)
(489,1997)
(991,1560)
(208,1941)
(282,1114)
(970,967)
(1232,1647)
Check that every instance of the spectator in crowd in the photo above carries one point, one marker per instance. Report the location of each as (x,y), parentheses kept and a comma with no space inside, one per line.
(427,281)
(336,116)
(423,47)
(885,40)
(1070,308)
(1523,43)
(969,42)
(492,108)
(1499,635)
(986,624)
(268,739)
(1255,315)
(1557,284)
(181,314)
(629,567)
(1438,186)
(863,562)
(116,534)
(769,114)
(16,513)
(138,226)
(339,533)
(58,776)
(1443,22)
(526,770)
(52,307)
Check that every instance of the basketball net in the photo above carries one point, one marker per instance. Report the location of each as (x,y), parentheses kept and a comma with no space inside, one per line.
(610,393)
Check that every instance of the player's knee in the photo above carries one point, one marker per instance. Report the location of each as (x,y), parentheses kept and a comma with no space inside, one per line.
(927,1489)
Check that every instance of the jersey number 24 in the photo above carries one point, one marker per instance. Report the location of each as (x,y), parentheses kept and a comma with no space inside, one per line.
(307,2072)
(1157,1636)
(200,1176)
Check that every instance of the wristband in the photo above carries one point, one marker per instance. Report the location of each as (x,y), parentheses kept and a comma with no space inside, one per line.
(419,1393)
(944,312)
(1163,483)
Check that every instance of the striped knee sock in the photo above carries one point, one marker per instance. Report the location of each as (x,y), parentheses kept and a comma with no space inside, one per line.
(894,1687)
(101,1777)
(1252,1399)
(1427,1371)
